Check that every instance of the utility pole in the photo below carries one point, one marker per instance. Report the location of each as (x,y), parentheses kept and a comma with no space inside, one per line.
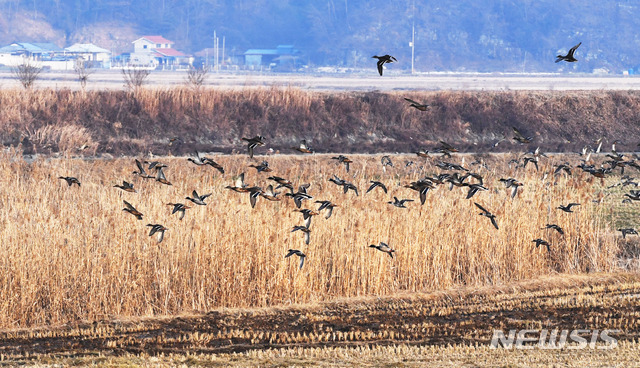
(223,38)
(413,33)
(215,54)
(413,44)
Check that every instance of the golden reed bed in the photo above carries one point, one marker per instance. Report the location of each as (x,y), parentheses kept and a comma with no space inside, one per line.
(71,253)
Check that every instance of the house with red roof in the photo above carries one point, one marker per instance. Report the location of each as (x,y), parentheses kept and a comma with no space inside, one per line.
(158,52)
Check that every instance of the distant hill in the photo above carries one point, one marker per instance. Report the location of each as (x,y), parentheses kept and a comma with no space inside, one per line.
(466,35)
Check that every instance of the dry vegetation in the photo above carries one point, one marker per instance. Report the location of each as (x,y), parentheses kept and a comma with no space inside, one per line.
(456,323)
(143,120)
(456,356)
(71,253)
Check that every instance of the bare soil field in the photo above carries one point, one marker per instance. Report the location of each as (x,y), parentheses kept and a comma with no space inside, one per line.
(452,327)
(112,80)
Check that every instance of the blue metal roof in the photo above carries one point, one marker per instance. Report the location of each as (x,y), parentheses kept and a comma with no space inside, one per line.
(261,52)
(38,47)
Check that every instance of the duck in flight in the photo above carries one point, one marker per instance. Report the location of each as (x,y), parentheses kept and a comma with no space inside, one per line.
(569,56)
(417,105)
(132,210)
(399,202)
(383,247)
(488,214)
(328,205)
(178,207)
(126,186)
(520,137)
(540,242)
(375,184)
(297,253)
(159,229)
(555,227)
(70,180)
(305,230)
(198,199)
(383,60)
(252,143)
(568,207)
(304,147)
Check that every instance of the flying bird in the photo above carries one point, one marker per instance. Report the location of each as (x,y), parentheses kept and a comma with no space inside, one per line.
(159,229)
(252,143)
(383,247)
(386,161)
(160,177)
(417,105)
(269,194)
(282,182)
(155,165)
(555,227)
(307,214)
(263,167)
(400,202)
(297,253)
(305,230)
(141,171)
(383,60)
(474,188)
(376,184)
(299,196)
(198,199)
(540,242)
(568,207)
(178,207)
(343,159)
(239,185)
(569,56)
(328,206)
(132,210)
(126,186)
(513,184)
(70,180)
(520,137)
(254,193)
(488,214)
(303,147)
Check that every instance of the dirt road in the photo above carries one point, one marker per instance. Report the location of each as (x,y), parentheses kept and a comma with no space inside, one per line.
(112,79)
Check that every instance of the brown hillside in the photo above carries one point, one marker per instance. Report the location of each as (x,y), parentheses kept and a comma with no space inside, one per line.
(120,122)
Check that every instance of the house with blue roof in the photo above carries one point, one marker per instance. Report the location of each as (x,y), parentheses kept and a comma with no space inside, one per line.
(51,56)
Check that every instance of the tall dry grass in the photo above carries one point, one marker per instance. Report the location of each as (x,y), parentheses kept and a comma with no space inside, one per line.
(71,253)
(143,120)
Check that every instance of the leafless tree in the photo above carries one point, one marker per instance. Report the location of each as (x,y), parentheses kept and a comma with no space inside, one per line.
(82,72)
(197,76)
(26,73)
(134,77)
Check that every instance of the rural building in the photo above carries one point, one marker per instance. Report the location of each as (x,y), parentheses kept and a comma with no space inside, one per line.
(45,54)
(282,57)
(98,56)
(156,52)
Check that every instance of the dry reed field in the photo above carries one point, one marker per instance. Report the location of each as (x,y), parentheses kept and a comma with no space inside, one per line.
(404,329)
(72,253)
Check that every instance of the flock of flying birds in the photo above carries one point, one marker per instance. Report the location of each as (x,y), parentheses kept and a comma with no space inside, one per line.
(460,177)
(457,176)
